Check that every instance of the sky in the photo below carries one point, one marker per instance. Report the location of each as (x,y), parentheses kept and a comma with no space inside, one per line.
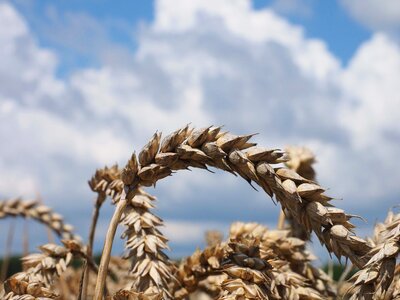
(83,84)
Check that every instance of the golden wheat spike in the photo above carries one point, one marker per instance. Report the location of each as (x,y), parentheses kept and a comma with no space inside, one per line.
(249,276)
(208,147)
(42,269)
(144,245)
(197,268)
(375,278)
(291,262)
(40,272)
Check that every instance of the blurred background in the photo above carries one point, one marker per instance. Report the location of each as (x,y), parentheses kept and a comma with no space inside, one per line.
(85,83)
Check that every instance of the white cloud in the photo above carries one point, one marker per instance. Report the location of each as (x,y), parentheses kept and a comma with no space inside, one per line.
(375,14)
(26,71)
(12,25)
(373,114)
(252,26)
(187,232)
(120,92)
(204,62)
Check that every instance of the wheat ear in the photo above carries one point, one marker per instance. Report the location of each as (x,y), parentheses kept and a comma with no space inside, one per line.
(374,279)
(210,147)
(144,246)
(198,267)
(293,273)
(39,212)
(144,241)
(249,276)
(41,269)
(99,184)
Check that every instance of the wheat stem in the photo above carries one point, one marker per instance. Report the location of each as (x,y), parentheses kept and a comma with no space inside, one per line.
(26,238)
(99,201)
(105,257)
(86,274)
(281,220)
(83,282)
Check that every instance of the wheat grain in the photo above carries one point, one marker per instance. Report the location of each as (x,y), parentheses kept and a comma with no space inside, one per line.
(19,287)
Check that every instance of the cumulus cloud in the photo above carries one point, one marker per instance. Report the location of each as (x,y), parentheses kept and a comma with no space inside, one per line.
(376,14)
(204,62)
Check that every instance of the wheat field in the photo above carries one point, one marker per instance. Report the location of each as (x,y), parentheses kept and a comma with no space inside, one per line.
(253,262)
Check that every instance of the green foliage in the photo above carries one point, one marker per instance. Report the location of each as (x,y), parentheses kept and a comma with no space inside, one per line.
(14,265)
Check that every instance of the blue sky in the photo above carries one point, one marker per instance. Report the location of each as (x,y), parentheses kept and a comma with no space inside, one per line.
(83,84)
(326,20)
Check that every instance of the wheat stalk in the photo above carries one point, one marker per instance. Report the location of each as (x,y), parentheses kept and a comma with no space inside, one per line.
(98,184)
(39,212)
(210,147)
